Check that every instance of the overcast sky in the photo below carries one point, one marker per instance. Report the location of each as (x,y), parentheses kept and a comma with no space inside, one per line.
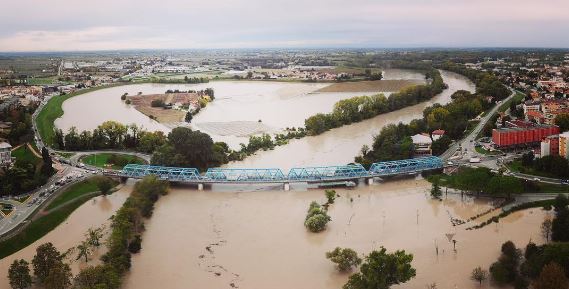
(69,25)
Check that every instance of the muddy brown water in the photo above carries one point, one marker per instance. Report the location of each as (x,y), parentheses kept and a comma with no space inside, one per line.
(256,239)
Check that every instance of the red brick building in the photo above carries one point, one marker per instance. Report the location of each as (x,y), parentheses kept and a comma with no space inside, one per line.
(521,133)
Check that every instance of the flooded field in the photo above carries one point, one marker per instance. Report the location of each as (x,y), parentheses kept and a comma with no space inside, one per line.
(277,105)
(257,240)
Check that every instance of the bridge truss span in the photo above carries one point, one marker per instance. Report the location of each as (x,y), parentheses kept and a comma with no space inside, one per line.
(327,173)
(165,173)
(349,172)
(244,175)
(399,167)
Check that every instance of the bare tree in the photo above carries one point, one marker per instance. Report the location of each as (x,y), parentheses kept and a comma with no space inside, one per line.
(479,274)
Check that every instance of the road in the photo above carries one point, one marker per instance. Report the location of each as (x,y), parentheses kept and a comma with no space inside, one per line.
(24,211)
(467,143)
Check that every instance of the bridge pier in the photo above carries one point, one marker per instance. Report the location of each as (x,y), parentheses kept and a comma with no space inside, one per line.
(200,187)
(369,181)
(286,186)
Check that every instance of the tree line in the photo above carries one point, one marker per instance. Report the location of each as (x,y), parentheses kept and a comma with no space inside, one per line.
(358,108)
(182,147)
(555,165)
(487,84)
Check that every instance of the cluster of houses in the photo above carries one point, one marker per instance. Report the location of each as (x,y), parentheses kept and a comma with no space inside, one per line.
(422,142)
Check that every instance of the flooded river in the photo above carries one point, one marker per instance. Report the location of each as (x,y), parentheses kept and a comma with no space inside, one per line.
(232,117)
(341,145)
(255,239)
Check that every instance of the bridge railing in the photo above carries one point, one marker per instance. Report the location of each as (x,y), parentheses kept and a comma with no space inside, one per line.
(244,175)
(327,172)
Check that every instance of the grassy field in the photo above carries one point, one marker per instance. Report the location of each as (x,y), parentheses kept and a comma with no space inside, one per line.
(517,166)
(73,197)
(25,154)
(484,151)
(102,160)
(53,110)
(74,191)
(450,181)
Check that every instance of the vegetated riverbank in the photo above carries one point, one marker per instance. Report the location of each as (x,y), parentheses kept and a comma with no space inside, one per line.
(482,180)
(125,238)
(57,212)
(359,108)
(52,110)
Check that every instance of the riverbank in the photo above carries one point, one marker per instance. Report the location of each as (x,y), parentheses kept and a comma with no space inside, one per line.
(53,110)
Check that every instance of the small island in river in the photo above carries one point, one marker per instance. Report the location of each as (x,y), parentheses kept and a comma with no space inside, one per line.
(173,106)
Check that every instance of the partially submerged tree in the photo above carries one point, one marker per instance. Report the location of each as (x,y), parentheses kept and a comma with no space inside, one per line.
(104,184)
(83,251)
(46,258)
(479,275)
(381,270)
(330,196)
(436,191)
(94,236)
(345,258)
(19,274)
(316,219)
(546,229)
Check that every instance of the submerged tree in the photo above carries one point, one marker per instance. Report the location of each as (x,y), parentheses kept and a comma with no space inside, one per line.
(546,229)
(94,236)
(46,258)
(479,275)
(436,192)
(19,274)
(381,270)
(83,251)
(316,219)
(345,258)
(331,196)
